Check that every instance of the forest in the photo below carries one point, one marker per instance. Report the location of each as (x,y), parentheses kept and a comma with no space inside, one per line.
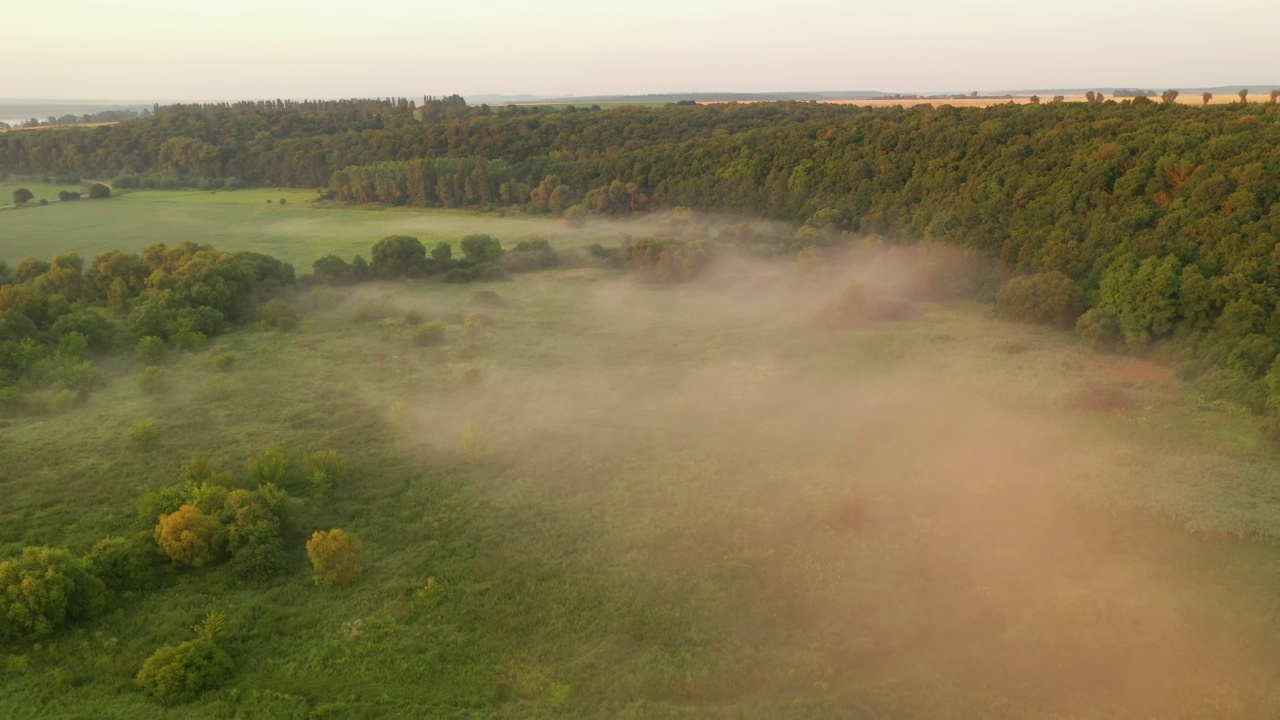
(1159,214)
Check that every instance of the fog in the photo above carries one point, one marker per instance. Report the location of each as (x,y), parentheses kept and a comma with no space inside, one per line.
(900,512)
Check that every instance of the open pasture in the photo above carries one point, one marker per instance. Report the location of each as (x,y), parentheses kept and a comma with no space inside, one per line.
(244,220)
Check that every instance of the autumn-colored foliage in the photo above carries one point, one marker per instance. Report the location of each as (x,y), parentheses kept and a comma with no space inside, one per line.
(335,556)
(190,537)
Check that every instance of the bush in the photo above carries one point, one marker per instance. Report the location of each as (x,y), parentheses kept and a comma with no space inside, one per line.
(398,256)
(255,533)
(429,333)
(124,564)
(22,196)
(98,191)
(151,350)
(335,557)
(666,259)
(153,381)
(43,590)
(479,249)
(324,468)
(188,536)
(179,673)
(1049,298)
(489,299)
(1099,330)
(145,435)
(273,466)
(277,315)
(225,361)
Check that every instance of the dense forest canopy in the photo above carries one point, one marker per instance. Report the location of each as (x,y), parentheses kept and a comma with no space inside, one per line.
(1160,215)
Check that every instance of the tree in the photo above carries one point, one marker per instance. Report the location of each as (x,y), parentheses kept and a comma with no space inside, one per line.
(442,254)
(1206,97)
(335,557)
(481,248)
(188,536)
(179,673)
(22,196)
(44,589)
(1035,99)
(1244,95)
(398,256)
(1169,97)
(98,191)
(1049,297)
(1275,95)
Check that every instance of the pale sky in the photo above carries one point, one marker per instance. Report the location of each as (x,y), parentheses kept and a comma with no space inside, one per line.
(226,49)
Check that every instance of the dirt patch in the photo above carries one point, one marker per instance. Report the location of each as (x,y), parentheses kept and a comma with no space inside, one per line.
(1138,371)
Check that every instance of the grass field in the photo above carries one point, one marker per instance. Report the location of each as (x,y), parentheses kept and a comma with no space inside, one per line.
(243,220)
(682,502)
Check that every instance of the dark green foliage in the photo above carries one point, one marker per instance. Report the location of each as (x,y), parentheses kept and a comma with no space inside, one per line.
(180,673)
(98,191)
(398,256)
(68,196)
(333,270)
(130,564)
(324,468)
(1049,298)
(255,532)
(478,249)
(529,255)
(45,589)
(442,254)
(22,196)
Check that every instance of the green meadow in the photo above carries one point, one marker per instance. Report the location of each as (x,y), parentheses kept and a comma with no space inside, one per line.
(235,220)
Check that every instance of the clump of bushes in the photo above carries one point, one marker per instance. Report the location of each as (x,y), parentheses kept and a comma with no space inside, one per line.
(335,557)
(153,380)
(273,466)
(180,673)
(857,307)
(666,259)
(145,435)
(324,468)
(151,349)
(45,589)
(1049,298)
(428,333)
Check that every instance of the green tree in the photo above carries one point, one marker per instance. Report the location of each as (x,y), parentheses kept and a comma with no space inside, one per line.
(1049,297)
(398,256)
(98,191)
(44,589)
(1169,97)
(182,672)
(481,248)
(22,196)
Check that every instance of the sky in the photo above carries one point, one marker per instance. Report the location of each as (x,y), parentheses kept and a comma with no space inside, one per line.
(229,49)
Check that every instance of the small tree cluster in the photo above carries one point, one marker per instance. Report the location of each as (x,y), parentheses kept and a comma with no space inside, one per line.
(335,557)
(45,589)
(1050,298)
(666,259)
(180,673)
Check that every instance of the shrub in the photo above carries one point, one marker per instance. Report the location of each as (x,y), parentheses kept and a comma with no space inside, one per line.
(153,380)
(188,536)
(1099,330)
(151,349)
(278,315)
(225,361)
(489,299)
(124,564)
(479,249)
(44,589)
(179,673)
(273,466)
(255,532)
(324,468)
(22,196)
(398,256)
(1048,297)
(145,435)
(666,259)
(429,333)
(98,191)
(335,557)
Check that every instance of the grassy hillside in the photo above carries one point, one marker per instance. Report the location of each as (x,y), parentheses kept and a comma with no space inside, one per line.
(679,501)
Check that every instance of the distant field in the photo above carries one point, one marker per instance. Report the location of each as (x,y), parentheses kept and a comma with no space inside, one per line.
(241,220)
(40,190)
